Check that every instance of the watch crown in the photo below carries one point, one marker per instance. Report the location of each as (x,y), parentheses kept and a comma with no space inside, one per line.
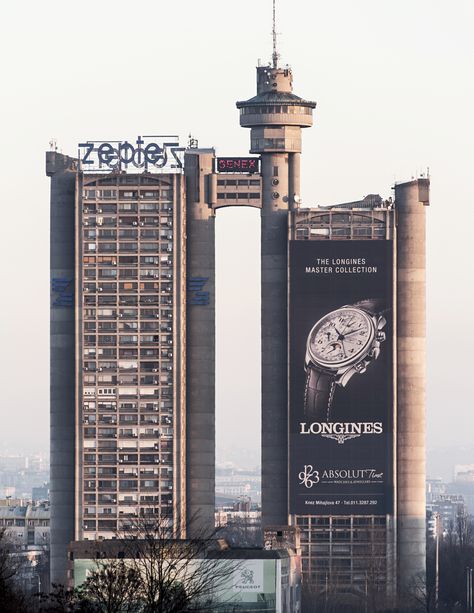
(360,368)
(381,336)
(375,353)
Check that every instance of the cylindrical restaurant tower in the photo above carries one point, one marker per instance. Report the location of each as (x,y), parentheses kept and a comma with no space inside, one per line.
(275,116)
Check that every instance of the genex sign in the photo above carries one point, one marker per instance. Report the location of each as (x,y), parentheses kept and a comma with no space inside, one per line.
(155,154)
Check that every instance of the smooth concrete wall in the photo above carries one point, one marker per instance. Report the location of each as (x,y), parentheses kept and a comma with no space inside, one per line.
(274,264)
(62,350)
(200,349)
(410,199)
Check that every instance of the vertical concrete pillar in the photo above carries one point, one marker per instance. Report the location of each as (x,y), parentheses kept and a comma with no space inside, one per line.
(410,199)
(200,344)
(274,232)
(294,169)
(62,171)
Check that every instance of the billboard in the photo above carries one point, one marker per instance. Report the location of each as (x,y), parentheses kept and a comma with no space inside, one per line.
(341,377)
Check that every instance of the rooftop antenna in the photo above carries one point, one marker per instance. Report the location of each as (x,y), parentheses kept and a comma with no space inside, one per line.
(275,55)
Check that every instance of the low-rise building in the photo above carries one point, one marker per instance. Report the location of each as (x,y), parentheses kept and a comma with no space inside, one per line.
(448,507)
(256,580)
(27,524)
(26,528)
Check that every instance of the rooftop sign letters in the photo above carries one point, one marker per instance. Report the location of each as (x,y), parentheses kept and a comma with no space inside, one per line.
(247,165)
(156,154)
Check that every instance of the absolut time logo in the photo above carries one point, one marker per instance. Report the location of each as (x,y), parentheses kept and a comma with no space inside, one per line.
(310,476)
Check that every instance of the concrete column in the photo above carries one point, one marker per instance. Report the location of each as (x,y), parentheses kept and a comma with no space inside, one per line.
(200,346)
(294,169)
(275,180)
(410,199)
(274,264)
(62,350)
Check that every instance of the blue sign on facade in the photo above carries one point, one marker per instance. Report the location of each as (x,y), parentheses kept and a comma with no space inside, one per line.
(63,292)
(196,295)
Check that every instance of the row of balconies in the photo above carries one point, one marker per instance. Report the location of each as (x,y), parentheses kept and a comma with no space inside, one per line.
(148,298)
(165,204)
(131,286)
(109,218)
(144,261)
(122,499)
(130,366)
(122,274)
(127,247)
(125,420)
(145,392)
(91,367)
(106,194)
(107,234)
(165,338)
(131,300)
(110,326)
(111,222)
(112,315)
(124,353)
(104,462)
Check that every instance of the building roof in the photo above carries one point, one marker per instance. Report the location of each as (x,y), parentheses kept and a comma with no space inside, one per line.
(275,97)
(29,511)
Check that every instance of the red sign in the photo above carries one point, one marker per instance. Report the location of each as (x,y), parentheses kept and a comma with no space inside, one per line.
(247,165)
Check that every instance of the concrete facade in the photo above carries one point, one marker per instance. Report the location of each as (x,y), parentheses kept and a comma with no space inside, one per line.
(200,349)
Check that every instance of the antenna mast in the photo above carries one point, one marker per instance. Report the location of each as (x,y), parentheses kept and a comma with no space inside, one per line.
(275,55)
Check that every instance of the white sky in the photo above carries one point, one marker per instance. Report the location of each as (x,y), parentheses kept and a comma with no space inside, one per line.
(394,84)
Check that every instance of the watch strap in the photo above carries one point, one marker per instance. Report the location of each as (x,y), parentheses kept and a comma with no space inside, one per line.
(319,392)
(373,306)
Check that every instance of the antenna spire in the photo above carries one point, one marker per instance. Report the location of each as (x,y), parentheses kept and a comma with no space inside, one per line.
(275,55)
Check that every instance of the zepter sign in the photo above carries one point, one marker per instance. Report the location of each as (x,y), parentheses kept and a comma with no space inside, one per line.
(155,154)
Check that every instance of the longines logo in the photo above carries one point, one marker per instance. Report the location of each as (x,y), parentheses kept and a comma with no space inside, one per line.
(341,431)
(310,476)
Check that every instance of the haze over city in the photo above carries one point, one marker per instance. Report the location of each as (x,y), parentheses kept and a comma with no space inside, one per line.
(392,82)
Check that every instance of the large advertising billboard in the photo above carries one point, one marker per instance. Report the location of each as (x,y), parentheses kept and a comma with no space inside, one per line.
(341,377)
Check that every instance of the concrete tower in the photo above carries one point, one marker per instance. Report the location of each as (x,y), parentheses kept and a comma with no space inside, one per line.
(275,116)
(63,173)
(411,199)
(200,341)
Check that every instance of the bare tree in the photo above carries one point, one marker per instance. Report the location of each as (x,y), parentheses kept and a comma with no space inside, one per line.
(11,597)
(65,600)
(176,575)
(113,587)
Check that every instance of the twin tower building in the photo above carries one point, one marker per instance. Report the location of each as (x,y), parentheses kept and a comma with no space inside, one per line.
(343,347)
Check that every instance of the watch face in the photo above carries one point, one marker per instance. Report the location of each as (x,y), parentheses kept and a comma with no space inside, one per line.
(341,337)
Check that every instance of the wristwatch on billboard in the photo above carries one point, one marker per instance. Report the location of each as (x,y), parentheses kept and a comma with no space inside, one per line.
(342,343)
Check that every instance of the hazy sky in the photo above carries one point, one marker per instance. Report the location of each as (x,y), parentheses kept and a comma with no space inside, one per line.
(394,84)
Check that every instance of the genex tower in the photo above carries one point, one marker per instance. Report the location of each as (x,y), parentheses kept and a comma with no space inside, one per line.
(343,348)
